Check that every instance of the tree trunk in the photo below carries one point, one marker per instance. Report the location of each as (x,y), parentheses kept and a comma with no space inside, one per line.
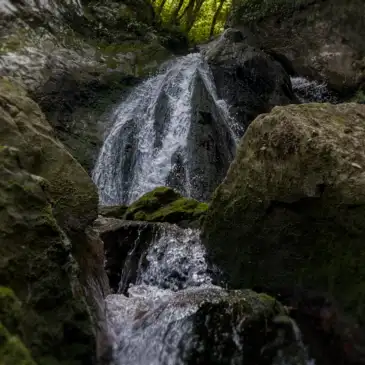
(215,18)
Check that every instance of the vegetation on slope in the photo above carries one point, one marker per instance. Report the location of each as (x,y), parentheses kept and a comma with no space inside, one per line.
(199,19)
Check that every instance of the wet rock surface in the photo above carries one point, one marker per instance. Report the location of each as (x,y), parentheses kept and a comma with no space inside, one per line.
(249,80)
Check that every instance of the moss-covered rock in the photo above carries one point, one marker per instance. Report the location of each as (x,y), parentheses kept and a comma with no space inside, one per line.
(166,205)
(10,309)
(12,350)
(289,215)
(47,202)
(359,97)
(115,211)
(323,39)
(209,325)
(74,197)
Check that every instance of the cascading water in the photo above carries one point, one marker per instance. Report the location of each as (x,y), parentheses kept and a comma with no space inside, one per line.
(155,323)
(173,130)
(172,267)
(154,137)
(309,91)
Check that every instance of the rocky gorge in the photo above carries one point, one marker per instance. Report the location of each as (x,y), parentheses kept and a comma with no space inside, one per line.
(167,205)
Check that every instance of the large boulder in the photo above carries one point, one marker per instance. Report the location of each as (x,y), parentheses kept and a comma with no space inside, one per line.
(249,80)
(24,127)
(323,39)
(48,256)
(289,215)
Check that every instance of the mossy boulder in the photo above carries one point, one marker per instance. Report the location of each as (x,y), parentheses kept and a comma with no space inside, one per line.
(166,205)
(12,350)
(74,197)
(209,325)
(47,202)
(289,216)
(323,39)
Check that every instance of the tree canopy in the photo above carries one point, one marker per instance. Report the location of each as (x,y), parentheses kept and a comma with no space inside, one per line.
(199,19)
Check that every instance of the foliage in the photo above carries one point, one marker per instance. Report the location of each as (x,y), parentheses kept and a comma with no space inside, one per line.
(359,97)
(199,19)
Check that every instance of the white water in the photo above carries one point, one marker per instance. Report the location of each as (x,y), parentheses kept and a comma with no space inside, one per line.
(150,128)
(153,324)
(151,321)
(309,91)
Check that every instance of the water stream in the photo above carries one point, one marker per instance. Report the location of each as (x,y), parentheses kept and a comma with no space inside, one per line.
(152,139)
(152,142)
(154,323)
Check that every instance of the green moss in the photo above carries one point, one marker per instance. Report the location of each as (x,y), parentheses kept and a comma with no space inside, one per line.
(12,350)
(116,211)
(10,309)
(359,97)
(165,205)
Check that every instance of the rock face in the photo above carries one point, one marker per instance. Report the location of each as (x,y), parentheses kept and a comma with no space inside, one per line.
(75,60)
(289,215)
(251,81)
(323,39)
(125,243)
(47,254)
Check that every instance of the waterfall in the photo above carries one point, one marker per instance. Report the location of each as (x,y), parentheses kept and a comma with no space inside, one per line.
(309,91)
(155,322)
(151,320)
(172,130)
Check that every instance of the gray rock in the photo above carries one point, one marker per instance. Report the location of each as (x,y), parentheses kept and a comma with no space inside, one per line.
(251,81)
(324,39)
